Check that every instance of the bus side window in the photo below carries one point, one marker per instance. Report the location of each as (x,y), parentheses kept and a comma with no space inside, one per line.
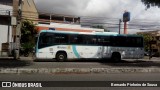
(90,39)
(100,40)
(103,40)
(61,39)
(80,39)
(134,42)
(131,42)
(49,40)
(113,41)
(73,39)
(119,41)
(106,40)
(94,40)
(139,42)
(76,39)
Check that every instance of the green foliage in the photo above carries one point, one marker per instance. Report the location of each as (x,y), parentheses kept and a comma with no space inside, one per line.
(147,39)
(150,3)
(28,33)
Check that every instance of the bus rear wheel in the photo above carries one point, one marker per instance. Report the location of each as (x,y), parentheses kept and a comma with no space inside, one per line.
(61,57)
(116,57)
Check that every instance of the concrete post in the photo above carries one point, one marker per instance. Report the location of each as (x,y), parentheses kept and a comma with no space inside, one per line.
(18,30)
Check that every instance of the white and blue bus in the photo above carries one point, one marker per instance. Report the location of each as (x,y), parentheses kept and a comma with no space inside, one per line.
(62,45)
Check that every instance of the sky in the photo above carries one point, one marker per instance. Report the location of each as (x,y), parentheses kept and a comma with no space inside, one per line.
(107,12)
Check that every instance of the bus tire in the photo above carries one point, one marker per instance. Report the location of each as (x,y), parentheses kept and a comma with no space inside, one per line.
(116,57)
(61,56)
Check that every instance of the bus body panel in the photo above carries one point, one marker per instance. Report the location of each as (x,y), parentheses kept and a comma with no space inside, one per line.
(128,52)
(87,51)
(46,53)
(73,51)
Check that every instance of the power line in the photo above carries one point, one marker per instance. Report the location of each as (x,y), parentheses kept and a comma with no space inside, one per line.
(91,18)
(96,20)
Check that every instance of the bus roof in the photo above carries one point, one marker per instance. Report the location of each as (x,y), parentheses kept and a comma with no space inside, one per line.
(91,33)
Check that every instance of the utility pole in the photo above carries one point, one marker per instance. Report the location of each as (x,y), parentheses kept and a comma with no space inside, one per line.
(18,30)
(120,26)
(9,20)
(125,27)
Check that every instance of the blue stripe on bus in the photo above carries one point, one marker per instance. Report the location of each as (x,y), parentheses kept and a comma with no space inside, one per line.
(75,51)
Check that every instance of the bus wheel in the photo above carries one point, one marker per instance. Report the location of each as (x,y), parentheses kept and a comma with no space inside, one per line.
(61,57)
(116,57)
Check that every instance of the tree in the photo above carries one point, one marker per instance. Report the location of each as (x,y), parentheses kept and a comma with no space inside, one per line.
(28,33)
(147,38)
(150,3)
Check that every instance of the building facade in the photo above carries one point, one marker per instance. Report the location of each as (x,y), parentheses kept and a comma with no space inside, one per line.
(63,23)
(5,28)
(155,44)
(29,11)
(8,9)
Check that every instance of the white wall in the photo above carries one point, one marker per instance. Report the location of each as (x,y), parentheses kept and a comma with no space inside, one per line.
(4,28)
(4,33)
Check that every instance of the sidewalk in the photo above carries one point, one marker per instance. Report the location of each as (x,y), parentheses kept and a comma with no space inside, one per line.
(144,59)
(3,58)
(152,59)
(26,58)
(21,58)
(76,70)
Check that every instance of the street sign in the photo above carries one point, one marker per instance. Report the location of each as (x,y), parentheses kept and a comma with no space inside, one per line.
(126,17)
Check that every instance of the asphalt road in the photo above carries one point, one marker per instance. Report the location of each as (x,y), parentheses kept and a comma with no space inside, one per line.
(83,77)
(26,63)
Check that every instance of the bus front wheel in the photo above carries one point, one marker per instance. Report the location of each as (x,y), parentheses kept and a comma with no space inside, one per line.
(61,56)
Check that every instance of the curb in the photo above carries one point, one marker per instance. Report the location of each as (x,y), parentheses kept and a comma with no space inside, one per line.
(77,70)
(8,58)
